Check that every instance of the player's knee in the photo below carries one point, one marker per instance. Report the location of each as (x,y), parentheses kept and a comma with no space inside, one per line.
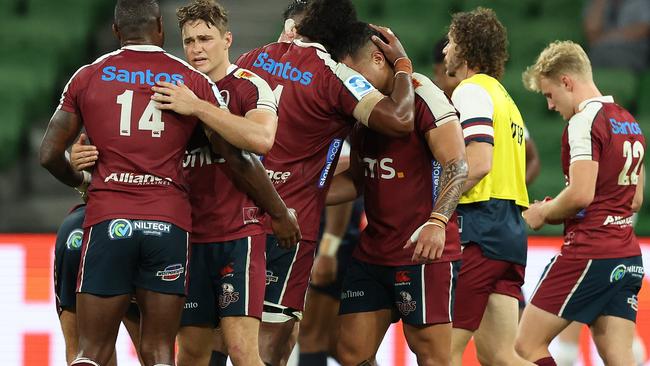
(616,355)
(522,348)
(432,359)
(347,356)
(191,353)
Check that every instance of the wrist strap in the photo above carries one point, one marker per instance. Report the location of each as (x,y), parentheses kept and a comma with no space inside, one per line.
(329,245)
(85,183)
(440,217)
(403,64)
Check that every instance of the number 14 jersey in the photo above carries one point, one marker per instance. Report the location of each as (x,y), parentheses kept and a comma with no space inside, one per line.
(138,174)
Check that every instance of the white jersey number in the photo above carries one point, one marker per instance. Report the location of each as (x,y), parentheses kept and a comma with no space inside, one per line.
(150,120)
(631,151)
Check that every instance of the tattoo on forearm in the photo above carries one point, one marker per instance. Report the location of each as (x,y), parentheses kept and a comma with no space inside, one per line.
(454,174)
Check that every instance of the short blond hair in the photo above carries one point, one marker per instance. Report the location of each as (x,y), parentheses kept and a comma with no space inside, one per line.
(558,58)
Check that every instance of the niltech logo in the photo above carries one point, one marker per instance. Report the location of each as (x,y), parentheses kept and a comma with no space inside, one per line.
(74,239)
(171,272)
(120,229)
(618,273)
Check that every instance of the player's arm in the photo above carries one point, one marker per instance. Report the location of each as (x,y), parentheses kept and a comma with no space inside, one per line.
(391,115)
(250,176)
(533,164)
(637,202)
(577,195)
(61,132)
(348,185)
(476,110)
(337,219)
(255,132)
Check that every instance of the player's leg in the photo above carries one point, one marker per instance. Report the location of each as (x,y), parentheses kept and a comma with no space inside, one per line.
(195,336)
(131,322)
(219,355)
(568,346)
(104,294)
(287,277)
(425,297)
(613,337)
(317,328)
(241,297)
(495,339)
(68,320)
(475,283)
(161,284)
(367,308)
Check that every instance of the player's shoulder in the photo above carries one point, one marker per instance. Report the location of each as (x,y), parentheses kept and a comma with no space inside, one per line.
(426,89)
(588,111)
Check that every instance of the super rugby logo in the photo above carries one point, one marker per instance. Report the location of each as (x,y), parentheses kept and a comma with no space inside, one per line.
(359,86)
(228,295)
(74,239)
(407,305)
(120,229)
(618,273)
(171,272)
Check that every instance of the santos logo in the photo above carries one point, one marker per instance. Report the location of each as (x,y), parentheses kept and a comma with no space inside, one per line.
(284,71)
(140,179)
(381,168)
(111,73)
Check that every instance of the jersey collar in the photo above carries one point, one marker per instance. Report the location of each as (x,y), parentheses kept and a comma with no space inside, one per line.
(301,43)
(603,99)
(230,69)
(143,48)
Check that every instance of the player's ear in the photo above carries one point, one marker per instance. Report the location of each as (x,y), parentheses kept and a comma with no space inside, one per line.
(377,57)
(228,38)
(567,82)
(116,31)
(159,22)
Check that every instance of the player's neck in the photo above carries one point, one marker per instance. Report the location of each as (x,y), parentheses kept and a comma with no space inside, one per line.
(144,41)
(583,92)
(220,71)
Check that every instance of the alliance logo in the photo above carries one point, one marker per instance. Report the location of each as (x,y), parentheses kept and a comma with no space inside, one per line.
(120,229)
(171,272)
(74,239)
(618,273)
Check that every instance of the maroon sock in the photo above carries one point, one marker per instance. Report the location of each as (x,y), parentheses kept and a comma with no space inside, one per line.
(547,361)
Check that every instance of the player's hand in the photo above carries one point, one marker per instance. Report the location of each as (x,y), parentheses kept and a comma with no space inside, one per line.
(324,270)
(177,98)
(534,215)
(393,50)
(286,229)
(83,156)
(429,245)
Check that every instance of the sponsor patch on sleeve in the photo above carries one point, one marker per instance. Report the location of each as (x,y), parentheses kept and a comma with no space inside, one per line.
(359,86)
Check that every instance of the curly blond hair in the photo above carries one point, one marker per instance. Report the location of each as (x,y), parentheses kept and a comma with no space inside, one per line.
(557,59)
(211,12)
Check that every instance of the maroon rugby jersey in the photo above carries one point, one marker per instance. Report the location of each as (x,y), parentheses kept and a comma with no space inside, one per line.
(220,211)
(138,174)
(401,182)
(316,99)
(603,131)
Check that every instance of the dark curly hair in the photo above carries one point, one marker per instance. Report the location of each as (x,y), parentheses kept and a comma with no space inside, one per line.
(297,7)
(327,21)
(209,11)
(481,40)
(358,35)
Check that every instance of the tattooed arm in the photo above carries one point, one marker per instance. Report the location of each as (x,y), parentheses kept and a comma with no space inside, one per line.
(448,147)
(61,132)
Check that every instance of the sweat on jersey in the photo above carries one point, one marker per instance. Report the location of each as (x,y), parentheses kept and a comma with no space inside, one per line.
(138,174)
(220,210)
(401,182)
(604,132)
(317,107)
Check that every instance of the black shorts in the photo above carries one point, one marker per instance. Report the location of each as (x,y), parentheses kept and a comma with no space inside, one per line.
(120,255)
(67,253)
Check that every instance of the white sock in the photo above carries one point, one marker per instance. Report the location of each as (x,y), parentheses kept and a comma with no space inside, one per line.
(567,353)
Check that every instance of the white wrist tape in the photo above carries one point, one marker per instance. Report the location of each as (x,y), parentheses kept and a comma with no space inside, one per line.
(329,245)
(85,183)
(416,234)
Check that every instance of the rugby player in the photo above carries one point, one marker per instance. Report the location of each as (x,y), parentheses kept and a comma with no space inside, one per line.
(319,100)
(492,229)
(67,255)
(597,275)
(407,260)
(138,215)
